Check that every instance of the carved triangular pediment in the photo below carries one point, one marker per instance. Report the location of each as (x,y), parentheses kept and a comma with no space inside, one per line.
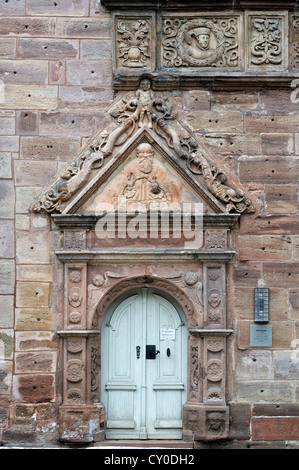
(145,156)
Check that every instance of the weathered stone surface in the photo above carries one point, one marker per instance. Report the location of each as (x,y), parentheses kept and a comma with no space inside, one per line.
(16,7)
(270,122)
(35,341)
(32,247)
(286,365)
(240,416)
(5,165)
(33,388)
(286,276)
(89,73)
(7,249)
(71,124)
(34,273)
(34,319)
(275,428)
(196,100)
(281,198)
(213,121)
(30,97)
(31,72)
(30,173)
(232,144)
(263,391)
(255,365)
(27,26)
(7,276)
(237,100)
(85,97)
(7,192)
(9,143)
(7,311)
(5,378)
(35,362)
(32,294)
(268,248)
(277,144)
(25,196)
(272,169)
(6,344)
(273,225)
(49,148)
(27,122)
(61,8)
(42,48)
(99,27)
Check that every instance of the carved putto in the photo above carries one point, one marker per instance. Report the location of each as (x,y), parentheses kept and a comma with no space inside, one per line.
(154,111)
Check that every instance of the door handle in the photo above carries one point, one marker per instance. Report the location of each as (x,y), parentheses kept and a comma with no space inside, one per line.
(157,352)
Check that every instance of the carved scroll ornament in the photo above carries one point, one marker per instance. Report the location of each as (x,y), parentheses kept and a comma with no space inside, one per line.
(130,113)
(200,42)
(266,40)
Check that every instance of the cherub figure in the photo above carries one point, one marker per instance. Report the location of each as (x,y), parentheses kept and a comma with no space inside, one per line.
(145,96)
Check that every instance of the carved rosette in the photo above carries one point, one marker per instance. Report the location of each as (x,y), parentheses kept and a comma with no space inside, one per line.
(74,376)
(201,42)
(216,240)
(214,369)
(266,41)
(75,300)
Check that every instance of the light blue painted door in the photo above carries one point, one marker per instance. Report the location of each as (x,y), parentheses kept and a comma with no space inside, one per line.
(144,368)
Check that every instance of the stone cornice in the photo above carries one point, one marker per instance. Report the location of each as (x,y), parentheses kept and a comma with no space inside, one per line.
(216,81)
(87,222)
(145,256)
(204,5)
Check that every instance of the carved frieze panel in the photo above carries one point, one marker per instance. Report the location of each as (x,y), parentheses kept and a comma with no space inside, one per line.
(214,296)
(75,296)
(134,42)
(267,45)
(214,369)
(201,41)
(75,377)
(294,42)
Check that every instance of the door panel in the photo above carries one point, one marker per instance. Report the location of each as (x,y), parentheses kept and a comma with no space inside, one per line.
(144,397)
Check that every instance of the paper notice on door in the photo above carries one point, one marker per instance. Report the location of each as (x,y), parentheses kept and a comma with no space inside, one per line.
(167,333)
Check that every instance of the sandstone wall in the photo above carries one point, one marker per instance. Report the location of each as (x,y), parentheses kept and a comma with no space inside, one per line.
(56,72)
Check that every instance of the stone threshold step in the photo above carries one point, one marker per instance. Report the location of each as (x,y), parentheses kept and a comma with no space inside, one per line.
(135,443)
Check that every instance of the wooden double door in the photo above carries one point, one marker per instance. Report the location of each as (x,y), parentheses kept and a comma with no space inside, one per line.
(144,367)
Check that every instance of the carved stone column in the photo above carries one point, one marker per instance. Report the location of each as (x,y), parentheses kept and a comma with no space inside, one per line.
(206,415)
(77,411)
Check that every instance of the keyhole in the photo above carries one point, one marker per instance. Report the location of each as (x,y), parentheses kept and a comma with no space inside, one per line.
(168,352)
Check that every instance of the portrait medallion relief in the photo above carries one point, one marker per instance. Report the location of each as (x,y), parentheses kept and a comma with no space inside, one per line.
(200,42)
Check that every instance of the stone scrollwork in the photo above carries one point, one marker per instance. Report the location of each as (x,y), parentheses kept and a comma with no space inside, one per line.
(266,39)
(200,42)
(135,110)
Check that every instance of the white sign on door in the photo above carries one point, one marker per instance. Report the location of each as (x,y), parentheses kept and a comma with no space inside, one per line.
(167,333)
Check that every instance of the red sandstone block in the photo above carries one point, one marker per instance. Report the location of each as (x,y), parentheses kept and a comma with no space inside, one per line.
(281,274)
(58,8)
(26,26)
(274,122)
(34,388)
(275,428)
(84,27)
(272,169)
(42,48)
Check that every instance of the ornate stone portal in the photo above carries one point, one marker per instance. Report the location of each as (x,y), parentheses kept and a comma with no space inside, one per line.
(148,157)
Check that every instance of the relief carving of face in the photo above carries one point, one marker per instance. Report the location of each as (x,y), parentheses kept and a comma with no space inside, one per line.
(203,41)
